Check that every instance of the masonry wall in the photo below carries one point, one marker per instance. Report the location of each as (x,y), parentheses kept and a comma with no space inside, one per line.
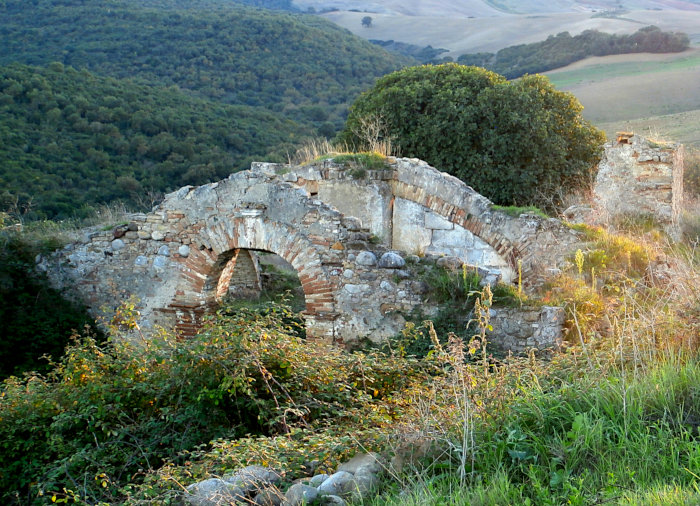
(418,230)
(637,176)
(180,259)
(245,282)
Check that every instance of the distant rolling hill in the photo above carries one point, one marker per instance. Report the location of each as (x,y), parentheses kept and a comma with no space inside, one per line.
(655,93)
(201,88)
(460,35)
(482,8)
(473,26)
(301,66)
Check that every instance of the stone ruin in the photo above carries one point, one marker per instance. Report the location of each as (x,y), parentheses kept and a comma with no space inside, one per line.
(636,177)
(348,237)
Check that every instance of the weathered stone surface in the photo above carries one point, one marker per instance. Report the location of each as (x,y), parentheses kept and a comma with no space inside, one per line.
(253,477)
(332,500)
(211,492)
(519,329)
(356,289)
(386,285)
(160,262)
(637,177)
(437,222)
(391,260)
(317,479)
(340,483)
(366,481)
(117,244)
(451,263)
(270,496)
(370,462)
(366,258)
(299,494)
(420,287)
(346,293)
(157,235)
(119,231)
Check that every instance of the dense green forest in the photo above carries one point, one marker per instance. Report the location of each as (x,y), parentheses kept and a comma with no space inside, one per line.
(71,138)
(198,89)
(299,65)
(563,49)
(426,54)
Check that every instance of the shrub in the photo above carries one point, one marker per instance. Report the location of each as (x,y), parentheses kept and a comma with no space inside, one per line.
(105,414)
(511,141)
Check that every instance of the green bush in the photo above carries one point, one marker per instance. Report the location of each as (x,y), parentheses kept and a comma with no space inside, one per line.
(517,142)
(107,414)
(36,320)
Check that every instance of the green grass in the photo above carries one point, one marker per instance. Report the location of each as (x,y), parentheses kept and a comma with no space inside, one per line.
(365,160)
(579,440)
(611,70)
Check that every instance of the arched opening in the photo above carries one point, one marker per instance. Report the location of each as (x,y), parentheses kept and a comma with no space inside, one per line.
(208,271)
(254,277)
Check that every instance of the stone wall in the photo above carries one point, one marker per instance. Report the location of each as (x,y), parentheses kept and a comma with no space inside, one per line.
(519,329)
(245,281)
(180,259)
(421,231)
(637,176)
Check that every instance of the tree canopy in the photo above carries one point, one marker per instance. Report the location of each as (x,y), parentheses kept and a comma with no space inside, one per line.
(517,142)
(71,139)
(563,49)
(300,66)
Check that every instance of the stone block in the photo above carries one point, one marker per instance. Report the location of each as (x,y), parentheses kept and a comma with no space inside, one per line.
(409,233)
(457,238)
(437,222)
(366,258)
(391,260)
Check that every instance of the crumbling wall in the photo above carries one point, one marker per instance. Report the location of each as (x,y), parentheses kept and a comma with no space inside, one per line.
(519,329)
(180,259)
(637,176)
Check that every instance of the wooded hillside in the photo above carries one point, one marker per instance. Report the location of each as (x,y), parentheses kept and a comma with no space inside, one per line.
(71,138)
(299,65)
(563,49)
(199,89)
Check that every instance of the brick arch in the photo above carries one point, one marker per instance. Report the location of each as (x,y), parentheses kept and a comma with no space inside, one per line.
(462,212)
(206,271)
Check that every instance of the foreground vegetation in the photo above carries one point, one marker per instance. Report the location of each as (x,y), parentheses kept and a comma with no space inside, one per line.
(612,418)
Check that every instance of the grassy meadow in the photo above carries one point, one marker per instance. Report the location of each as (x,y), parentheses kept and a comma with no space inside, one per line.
(654,95)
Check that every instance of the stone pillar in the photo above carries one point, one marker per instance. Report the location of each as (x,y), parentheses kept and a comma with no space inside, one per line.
(637,176)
